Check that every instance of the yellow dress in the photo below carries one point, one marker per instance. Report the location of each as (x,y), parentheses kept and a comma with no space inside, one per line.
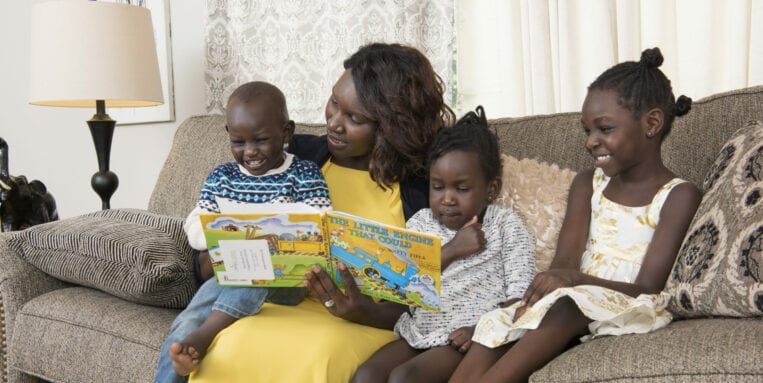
(618,239)
(305,343)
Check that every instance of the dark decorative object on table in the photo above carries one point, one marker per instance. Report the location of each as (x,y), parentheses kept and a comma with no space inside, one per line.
(22,204)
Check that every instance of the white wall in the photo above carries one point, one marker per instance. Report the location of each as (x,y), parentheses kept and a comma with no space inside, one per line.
(54,144)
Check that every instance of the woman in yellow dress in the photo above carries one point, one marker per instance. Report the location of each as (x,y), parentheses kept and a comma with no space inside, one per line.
(381,118)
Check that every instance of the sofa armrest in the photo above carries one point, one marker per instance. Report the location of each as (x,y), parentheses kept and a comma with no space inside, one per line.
(20,282)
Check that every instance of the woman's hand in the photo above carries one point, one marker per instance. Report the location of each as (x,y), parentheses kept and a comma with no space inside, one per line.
(461,339)
(470,239)
(351,304)
(548,281)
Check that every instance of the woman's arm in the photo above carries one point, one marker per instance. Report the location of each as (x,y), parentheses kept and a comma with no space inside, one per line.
(351,304)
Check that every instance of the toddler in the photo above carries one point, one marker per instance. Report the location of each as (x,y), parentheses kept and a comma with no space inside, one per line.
(258,126)
(488,257)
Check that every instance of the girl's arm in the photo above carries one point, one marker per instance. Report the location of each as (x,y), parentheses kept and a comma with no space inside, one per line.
(574,231)
(573,235)
(470,239)
(675,217)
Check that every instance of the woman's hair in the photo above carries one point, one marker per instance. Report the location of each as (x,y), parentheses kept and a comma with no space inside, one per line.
(470,134)
(400,90)
(642,86)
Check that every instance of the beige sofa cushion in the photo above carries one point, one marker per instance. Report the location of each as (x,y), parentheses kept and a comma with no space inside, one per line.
(686,351)
(717,271)
(537,191)
(78,334)
(129,253)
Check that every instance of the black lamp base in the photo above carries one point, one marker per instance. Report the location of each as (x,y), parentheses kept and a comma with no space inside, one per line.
(104,181)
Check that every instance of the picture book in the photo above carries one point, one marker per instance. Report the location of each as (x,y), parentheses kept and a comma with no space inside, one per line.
(277,249)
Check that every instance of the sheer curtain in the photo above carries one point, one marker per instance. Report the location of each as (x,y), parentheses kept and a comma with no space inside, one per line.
(300,45)
(524,57)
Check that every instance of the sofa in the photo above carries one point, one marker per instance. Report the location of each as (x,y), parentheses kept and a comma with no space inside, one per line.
(65,324)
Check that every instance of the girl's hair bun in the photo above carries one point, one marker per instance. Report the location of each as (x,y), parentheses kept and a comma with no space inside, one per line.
(683,105)
(651,58)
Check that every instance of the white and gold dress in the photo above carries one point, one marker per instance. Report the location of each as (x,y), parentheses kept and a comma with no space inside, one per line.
(618,239)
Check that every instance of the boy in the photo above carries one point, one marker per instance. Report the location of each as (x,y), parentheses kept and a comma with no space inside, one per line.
(258,125)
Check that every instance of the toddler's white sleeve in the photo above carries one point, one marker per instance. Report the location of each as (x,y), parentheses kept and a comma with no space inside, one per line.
(194,230)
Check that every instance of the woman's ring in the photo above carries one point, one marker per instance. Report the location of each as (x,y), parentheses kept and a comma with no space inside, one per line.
(329,303)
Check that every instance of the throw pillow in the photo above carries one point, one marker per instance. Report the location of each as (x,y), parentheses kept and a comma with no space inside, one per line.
(129,253)
(537,191)
(717,270)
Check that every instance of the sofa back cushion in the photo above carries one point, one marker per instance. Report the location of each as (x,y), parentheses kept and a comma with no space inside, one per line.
(697,137)
(201,143)
(537,191)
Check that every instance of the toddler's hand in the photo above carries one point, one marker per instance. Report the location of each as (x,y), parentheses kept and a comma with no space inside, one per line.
(461,339)
(470,239)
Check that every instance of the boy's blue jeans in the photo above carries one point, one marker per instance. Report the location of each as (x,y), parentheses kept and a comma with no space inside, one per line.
(237,302)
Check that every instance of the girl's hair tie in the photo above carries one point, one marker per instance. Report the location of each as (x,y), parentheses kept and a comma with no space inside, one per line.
(651,58)
(683,105)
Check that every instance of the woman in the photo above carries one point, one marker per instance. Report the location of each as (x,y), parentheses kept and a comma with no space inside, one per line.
(381,118)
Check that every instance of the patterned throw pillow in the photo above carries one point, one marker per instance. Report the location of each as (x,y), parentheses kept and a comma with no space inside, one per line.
(537,191)
(129,253)
(717,271)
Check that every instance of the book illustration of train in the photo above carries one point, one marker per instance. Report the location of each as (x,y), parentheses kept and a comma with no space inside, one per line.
(294,247)
(280,236)
(400,278)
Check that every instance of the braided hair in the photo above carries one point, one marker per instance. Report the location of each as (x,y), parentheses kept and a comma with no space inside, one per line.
(470,134)
(642,86)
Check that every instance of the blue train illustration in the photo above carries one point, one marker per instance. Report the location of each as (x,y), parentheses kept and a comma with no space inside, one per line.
(361,261)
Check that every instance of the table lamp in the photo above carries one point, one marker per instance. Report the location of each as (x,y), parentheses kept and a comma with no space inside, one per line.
(94,54)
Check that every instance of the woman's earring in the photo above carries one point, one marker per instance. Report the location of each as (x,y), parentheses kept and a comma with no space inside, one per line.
(649,134)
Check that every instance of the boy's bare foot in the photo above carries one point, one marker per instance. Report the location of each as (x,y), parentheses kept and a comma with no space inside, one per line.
(185,358)
(188,353)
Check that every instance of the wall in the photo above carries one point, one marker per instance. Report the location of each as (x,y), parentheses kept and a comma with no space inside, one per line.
(54,144)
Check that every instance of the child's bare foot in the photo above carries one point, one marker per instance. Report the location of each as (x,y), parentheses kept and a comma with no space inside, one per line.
(185,358)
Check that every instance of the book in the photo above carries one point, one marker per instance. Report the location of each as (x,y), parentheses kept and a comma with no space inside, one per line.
(277,249)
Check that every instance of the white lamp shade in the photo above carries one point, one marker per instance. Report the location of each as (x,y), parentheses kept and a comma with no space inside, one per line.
(83,51)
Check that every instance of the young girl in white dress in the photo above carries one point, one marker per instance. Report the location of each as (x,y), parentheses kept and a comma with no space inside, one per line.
(487,257)
(624,225)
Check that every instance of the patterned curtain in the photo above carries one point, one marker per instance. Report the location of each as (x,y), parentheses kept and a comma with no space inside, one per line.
(299,45)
